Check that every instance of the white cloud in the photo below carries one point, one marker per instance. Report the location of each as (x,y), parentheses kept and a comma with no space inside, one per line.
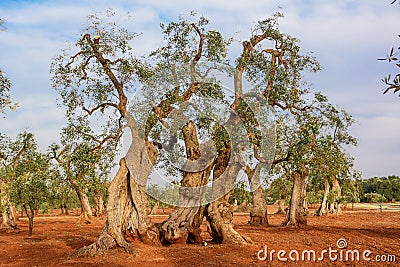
(37,113)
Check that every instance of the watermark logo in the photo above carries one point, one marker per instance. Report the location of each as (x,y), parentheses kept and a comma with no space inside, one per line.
(339,253)
(203,94)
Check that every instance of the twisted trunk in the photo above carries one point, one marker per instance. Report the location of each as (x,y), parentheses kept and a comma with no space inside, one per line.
(127,207)
(7,219)
(99,204)
(219,212)
(183,224)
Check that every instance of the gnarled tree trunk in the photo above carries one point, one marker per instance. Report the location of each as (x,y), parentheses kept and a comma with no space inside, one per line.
(7,217)
(183,224)
(295,216)
(127,207)
(323,208)
(219,212)
(99,204)
(258,213)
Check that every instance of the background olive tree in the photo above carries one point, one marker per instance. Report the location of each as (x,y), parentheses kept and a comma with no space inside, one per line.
(29,187)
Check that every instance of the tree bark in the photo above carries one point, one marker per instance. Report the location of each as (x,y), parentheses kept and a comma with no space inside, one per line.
(282,200)
(183,224)
(31,215)
(295,216)
(7,218)
(323,208)
(335,207)
(281,205)
(219,212)
(99,204)
(258,213)
(127,207)
(86,210)
(305,201)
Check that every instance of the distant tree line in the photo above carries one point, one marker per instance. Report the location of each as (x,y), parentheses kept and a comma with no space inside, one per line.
(370,190)
(381,188)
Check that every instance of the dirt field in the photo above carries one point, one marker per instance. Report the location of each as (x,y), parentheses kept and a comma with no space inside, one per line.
(55,237)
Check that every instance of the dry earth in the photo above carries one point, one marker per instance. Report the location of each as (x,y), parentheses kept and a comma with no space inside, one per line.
(56,236)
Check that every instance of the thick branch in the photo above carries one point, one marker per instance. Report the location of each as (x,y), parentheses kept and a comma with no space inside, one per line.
(106,66)
(102,105)
(200,47)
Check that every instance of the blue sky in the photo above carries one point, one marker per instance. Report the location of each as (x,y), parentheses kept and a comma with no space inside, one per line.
(346,36)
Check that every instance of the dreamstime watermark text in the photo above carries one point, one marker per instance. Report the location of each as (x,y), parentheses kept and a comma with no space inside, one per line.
(334,254)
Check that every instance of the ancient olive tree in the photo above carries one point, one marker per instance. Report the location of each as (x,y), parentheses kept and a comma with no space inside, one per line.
(314,144)
(96,76)
(94,81)
(305,118)
(273,61)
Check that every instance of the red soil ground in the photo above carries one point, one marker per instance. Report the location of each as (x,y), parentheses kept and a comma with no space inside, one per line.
(56,236)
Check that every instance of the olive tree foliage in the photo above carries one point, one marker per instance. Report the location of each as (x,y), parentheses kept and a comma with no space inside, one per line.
(93,78)
(96,78)
(11,152)
(62,195)
(29,189)
(314,144)
(5,99)
(5,86)
(93,84)
(392,81)
(85,167)
(24,176)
